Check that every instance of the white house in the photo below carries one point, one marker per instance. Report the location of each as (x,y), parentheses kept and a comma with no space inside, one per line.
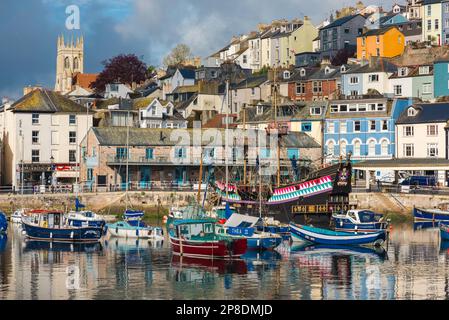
(158,115)
(117,90)
(42,131)
(181,77)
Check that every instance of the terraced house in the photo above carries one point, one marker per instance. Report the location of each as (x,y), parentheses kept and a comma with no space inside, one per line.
(413,81)
(364,127)
(387,42)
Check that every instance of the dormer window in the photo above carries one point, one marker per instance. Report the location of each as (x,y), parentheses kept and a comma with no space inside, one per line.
(411,112)
(327,70)
(315,111)
(424,70)
(302,72)
(343,69)
(286,74)
(402,72)
(259,110)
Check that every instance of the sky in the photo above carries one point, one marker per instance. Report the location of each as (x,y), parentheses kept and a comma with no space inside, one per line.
(147,28)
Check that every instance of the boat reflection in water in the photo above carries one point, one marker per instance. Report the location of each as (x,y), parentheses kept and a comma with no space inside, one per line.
(425,225)
(335,249)
(268,259)
(31,245)
(3,241)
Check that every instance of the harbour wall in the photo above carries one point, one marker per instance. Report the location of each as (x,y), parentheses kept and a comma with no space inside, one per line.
(107,203)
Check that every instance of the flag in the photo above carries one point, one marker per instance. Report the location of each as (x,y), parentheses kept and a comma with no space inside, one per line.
(78,204)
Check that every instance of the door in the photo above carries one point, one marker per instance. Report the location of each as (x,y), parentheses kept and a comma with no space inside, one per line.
(145,177)
(180,175)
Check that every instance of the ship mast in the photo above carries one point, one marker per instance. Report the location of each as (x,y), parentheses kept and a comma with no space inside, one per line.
(127,161)
(276,126)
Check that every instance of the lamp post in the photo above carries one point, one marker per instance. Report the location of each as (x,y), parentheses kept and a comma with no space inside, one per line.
(52,167)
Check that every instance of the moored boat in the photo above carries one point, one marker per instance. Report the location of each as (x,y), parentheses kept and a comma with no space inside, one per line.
(48,225)
(132,226)
(85,219)
(16,216)
(329,237)
(436,214)
(359,221)
(198,238)
(3,223)
(444,232)
(245,226)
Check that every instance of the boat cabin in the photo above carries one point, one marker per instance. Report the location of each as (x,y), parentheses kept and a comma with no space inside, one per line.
(361,216)
(203,229)
(47,219)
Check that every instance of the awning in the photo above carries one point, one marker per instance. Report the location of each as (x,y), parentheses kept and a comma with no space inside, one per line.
(428,164)
(237,220)
(66,174)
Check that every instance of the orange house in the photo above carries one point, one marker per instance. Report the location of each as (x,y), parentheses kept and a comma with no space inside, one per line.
(387,42)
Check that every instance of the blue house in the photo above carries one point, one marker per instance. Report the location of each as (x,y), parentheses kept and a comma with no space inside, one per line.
(441,77)
(363,127)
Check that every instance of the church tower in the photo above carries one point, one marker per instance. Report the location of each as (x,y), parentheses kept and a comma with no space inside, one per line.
(69,60)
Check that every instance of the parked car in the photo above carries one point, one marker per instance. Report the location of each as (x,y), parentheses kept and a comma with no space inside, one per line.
(420,181)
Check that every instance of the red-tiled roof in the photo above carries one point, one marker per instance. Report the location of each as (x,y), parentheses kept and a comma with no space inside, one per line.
(84,79)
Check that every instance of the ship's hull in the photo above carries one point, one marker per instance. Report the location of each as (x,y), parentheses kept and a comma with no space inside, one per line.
(208,249)
(87,234)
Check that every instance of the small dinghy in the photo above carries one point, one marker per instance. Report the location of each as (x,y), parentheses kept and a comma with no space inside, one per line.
(325,236)
(132,226)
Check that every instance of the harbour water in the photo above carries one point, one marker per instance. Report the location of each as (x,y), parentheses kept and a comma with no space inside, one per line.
(413,266)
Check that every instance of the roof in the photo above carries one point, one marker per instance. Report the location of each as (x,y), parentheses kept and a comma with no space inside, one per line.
(378,32)
(251,82)
(427,113)
(43,100)
(379,65)
(368,114)
(341,21)
(187,73)
(84,80)
(186,89)
(414,72)
(397,163)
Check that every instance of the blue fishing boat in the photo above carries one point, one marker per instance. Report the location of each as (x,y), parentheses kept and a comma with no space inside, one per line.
(132,226)
(47,225)
(243,225)
(437,214)
(84,218)
(359,221)
(329,237)
(3,223)
(444,232)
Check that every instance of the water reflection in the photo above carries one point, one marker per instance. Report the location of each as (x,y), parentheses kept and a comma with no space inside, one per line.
(3,241)
(414,266)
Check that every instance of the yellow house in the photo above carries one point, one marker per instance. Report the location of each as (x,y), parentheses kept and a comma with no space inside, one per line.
(387,42)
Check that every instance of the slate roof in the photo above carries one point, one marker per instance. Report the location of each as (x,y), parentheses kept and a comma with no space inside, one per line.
(380,65)
(340,22)
(116,136)
(414,72)
(43,100)
(187,73)
(378,32)
(427,113)
(251,82)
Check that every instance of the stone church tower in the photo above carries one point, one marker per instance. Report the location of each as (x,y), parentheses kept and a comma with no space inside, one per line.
(69,60)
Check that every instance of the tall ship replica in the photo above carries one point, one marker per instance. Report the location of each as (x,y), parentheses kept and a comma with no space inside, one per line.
(310,198)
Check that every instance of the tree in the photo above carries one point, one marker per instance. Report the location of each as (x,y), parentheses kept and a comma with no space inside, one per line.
(123,68)
(179,55)
(342,56)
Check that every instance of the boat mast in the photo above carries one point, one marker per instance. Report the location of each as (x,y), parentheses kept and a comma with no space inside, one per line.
(276,126)
(226,139)
(127,161)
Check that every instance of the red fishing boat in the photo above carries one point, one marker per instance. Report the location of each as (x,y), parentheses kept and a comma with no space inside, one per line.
(197,238)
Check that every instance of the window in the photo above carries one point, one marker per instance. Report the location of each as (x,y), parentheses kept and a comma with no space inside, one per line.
(149,153)
(380,107)
(293,153)
(411,112)
(409,150)
(315,111)
(354,92)
(245,60)
(384,148)
(432,150)
(409,131)
(363,41)
(72,119)
(372,125)
(343,148)
(426,88)
(306,127)
(357,126)
(316,86)
(35,137)
(397,90)
(437,24)
(35,156)
(180,153)
(75,64)
(429,25)
(343,108)
(300,88)
(357,148)
(343,127)
(346,30)
(373,78)
(72,155)
(372,148)
(334,108)
(121,153)
(429,10)
(384,125)
(424,70)
(378,52)
(352,108)
(354,80)
(402,72)
(372,107)
(72,137)
(377,39)
(362,107)
(432,130)
(330,127)
(35,118)
(253,91)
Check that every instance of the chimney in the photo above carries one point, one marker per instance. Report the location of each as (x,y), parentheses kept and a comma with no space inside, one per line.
(325,62)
